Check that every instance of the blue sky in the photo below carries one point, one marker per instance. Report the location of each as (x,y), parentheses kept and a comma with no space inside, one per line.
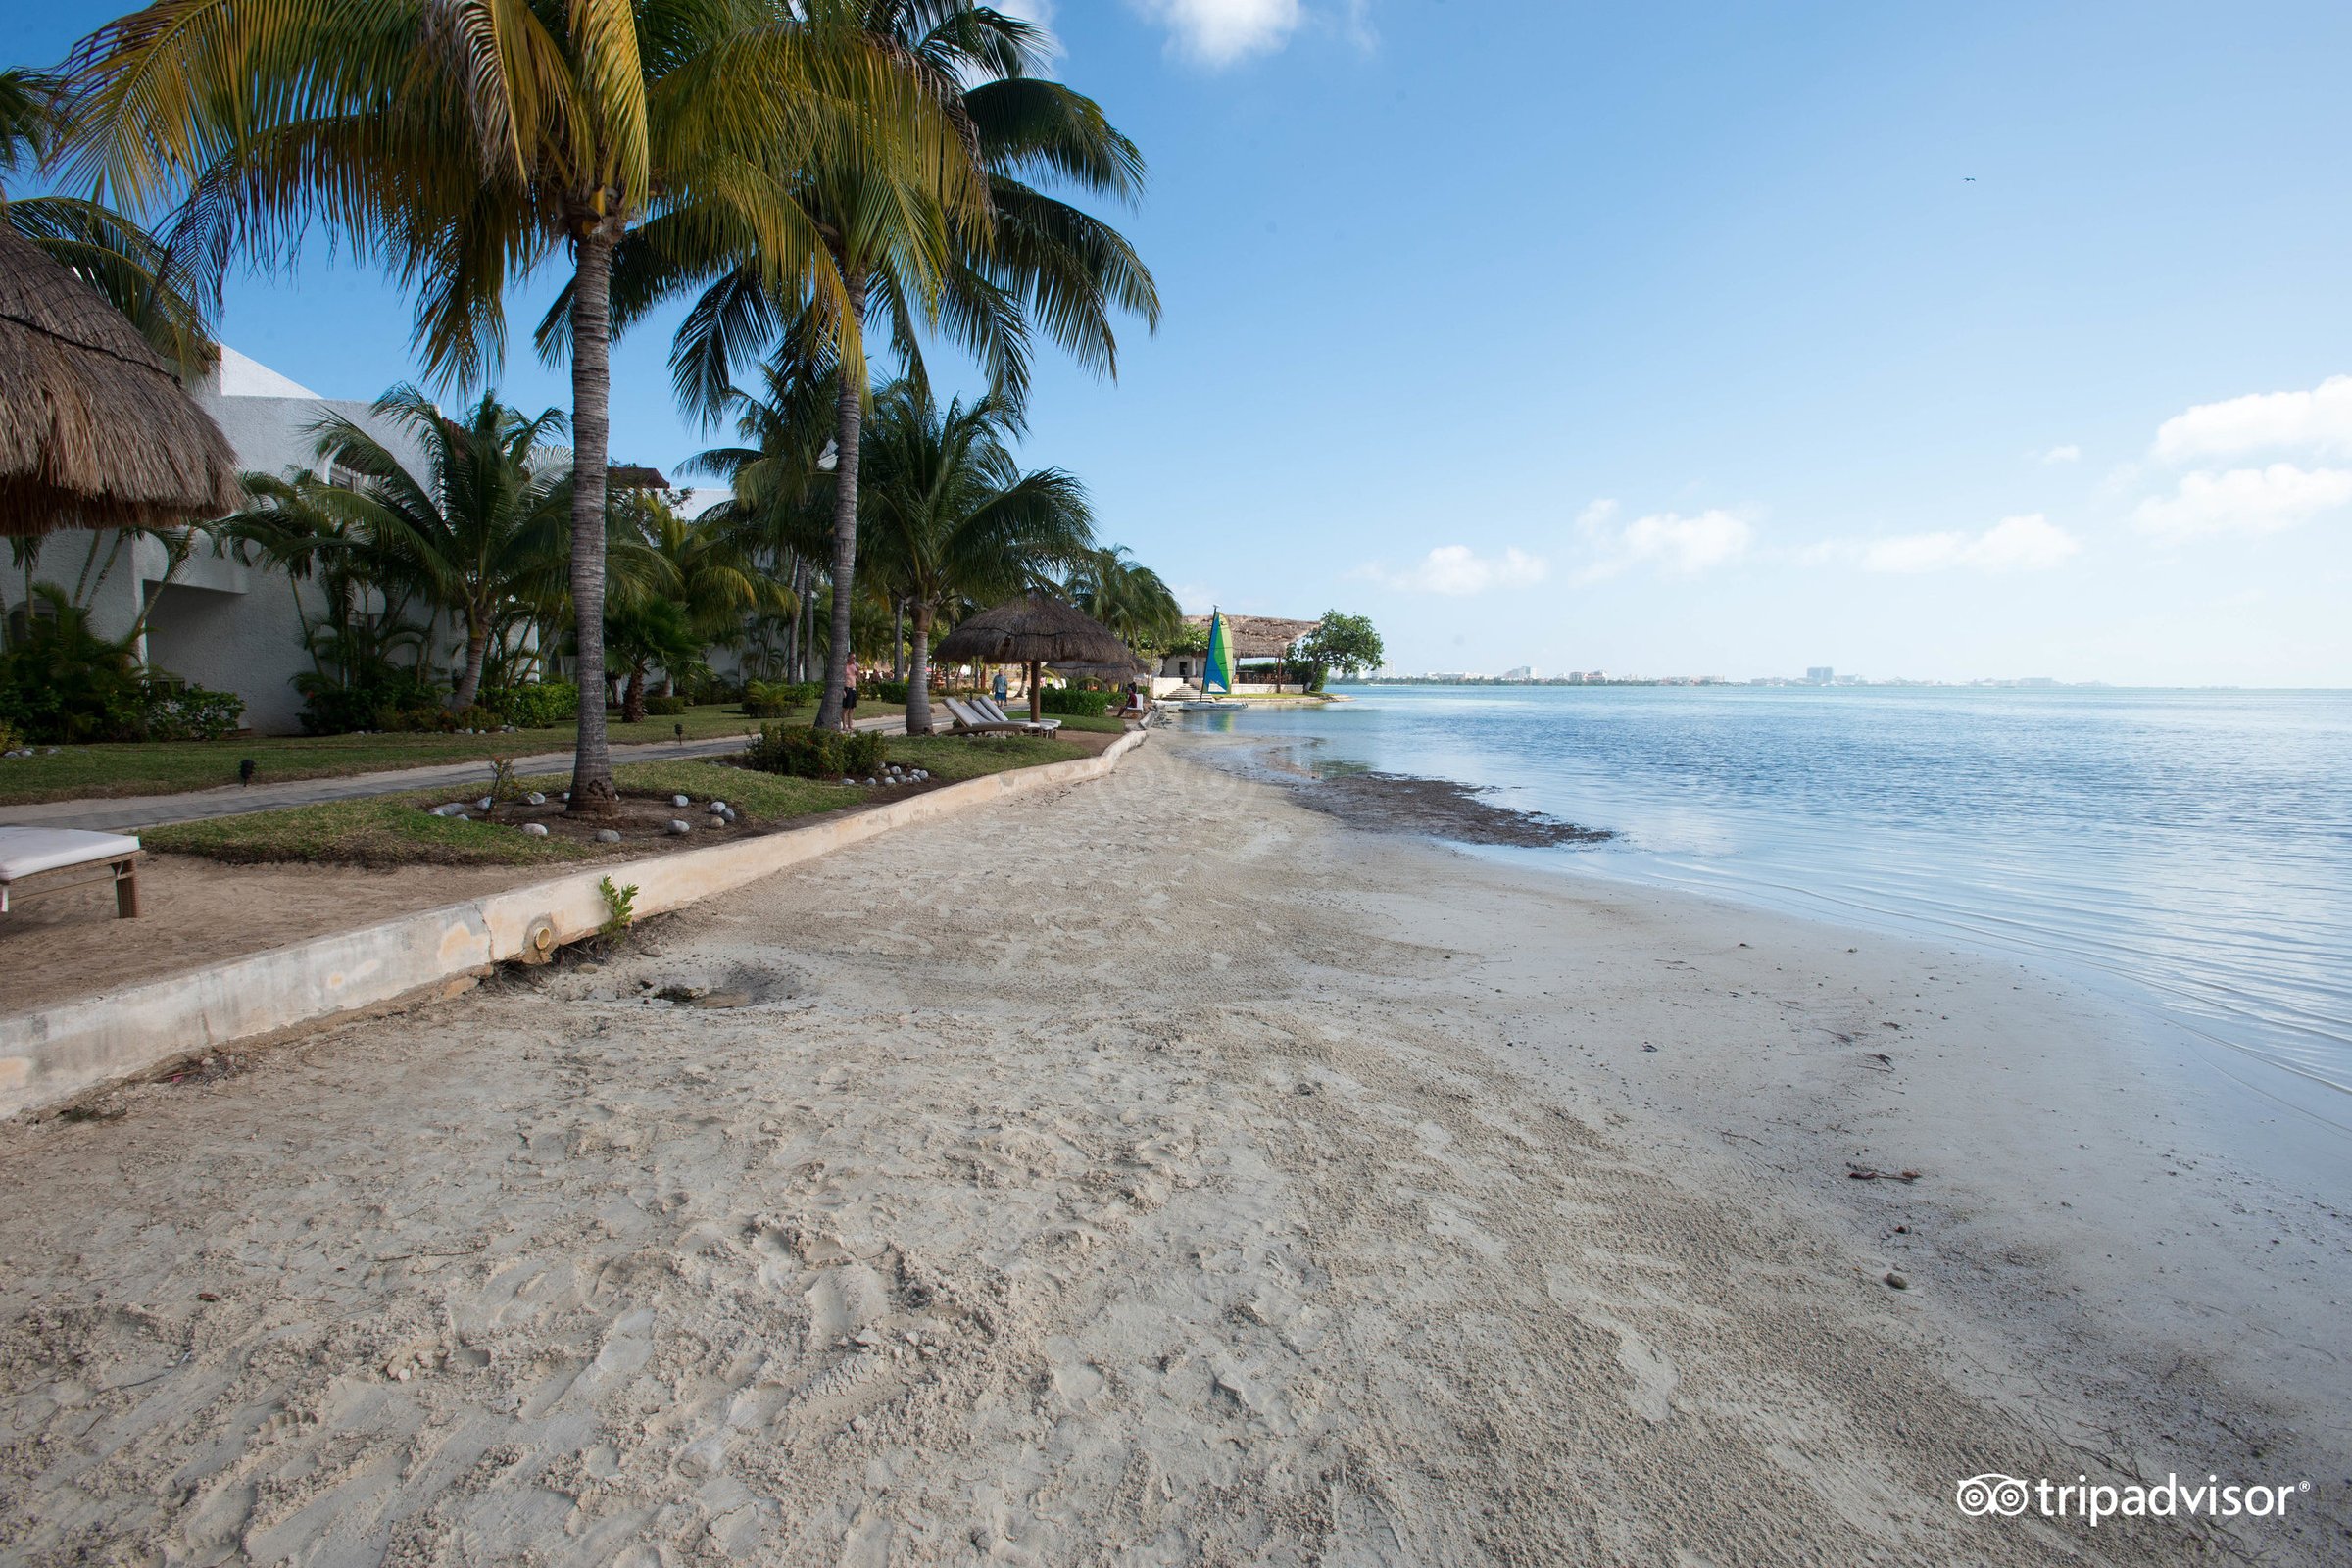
(1992,340)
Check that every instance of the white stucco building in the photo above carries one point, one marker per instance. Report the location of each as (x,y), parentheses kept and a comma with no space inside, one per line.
(216,623)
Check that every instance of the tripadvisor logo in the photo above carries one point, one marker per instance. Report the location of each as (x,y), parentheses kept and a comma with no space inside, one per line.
(2007,1495)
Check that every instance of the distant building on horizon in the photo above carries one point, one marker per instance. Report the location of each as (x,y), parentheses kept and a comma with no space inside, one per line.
(1820,675)
(1520,672)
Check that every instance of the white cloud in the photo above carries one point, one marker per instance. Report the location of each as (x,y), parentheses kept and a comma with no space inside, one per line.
(1457,570)
(2029,543)
(1666,539)
(2318,420)
(2070,452)
(2252,501)
(1219,32)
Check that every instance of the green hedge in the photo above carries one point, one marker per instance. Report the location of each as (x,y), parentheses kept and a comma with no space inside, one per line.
(1073,699)
(540,706)
(892,692)
(816,752)
(666,707)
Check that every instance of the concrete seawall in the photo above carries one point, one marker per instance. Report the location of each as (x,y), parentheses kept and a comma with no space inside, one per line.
(56,1053)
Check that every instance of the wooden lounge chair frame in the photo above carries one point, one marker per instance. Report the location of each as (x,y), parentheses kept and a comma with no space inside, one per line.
(120,869)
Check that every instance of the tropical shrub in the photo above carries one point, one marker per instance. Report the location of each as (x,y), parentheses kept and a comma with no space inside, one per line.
(60,681)
(388,699)
(816,752)
(1077,701)
(10,736)
(536,706)
(890,693)
(774,699)
(666,707)
(174,710)
(475,716)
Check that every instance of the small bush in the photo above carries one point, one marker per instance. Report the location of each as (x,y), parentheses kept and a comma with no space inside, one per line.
(666,707)
(475,717)
(172,711)
(9,738)
(816,752)
(399,700)
(774,699)
(1073,699)
(543,706)
(891,692)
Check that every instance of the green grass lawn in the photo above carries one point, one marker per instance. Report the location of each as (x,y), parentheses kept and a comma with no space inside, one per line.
(388,830)
(166,767)
(954,757)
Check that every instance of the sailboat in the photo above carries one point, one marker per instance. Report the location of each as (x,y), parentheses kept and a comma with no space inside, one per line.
(1217,672)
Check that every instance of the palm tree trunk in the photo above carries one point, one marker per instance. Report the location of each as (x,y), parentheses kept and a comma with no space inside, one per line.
(845,520)
(592,791)
(919,674)
(478,649)
(632,700)
(898,639)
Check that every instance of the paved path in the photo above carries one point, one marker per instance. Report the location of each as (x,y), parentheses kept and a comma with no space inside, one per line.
(133,813)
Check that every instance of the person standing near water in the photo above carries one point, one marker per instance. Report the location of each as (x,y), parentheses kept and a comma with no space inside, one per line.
(998,689)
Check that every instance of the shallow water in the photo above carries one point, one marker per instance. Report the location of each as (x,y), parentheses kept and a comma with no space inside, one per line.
(2189,850)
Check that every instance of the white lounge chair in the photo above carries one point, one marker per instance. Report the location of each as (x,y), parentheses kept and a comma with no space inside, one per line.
(994,712)
(971,719)
(44,858)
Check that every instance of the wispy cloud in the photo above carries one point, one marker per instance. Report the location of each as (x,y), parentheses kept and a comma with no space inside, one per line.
(2028,543)
(2069,453)
(2245,501)
(1667,540)
(2319,421)
(1221,32)
(1457,570)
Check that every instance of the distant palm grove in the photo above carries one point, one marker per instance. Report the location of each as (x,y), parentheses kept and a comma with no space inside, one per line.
(831,187)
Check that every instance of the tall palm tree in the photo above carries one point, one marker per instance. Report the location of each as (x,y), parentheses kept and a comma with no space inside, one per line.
(1024,260)
(1128,597)
(463,142)
(950,516)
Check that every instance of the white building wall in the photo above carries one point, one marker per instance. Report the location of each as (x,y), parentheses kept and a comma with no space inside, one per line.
(218,621)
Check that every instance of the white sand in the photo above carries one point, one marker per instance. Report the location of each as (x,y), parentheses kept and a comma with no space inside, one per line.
(1304,1197)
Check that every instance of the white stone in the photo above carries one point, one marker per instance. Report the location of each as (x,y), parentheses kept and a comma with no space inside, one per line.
(536,799)
(607,835)
(676,826)
(484,804)
(537,830)
(681,800)
(720,807)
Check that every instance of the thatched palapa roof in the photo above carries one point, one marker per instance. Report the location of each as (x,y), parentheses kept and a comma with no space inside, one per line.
(1033,630)
(1259,636)
(95,431)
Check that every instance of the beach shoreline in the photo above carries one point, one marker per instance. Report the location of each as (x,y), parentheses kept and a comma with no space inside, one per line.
(1245,1187)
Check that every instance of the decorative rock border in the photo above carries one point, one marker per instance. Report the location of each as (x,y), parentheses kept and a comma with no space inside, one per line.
(56,1053)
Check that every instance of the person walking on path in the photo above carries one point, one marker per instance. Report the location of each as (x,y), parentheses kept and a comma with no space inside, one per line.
(849,702)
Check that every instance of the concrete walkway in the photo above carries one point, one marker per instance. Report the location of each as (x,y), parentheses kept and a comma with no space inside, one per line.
(129,813)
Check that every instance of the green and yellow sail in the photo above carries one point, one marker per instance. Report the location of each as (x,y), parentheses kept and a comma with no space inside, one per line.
(1217,673)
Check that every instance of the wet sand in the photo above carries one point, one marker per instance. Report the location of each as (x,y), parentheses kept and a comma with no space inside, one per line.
(1163,1171)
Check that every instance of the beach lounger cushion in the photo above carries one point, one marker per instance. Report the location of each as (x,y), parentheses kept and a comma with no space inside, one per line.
(48,855)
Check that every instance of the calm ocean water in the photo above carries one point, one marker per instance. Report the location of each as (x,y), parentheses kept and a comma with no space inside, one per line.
(2191,851)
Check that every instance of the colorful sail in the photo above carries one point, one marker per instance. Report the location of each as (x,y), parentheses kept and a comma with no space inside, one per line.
(1217,675)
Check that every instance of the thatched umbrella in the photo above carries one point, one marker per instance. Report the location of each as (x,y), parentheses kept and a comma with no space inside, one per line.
(95,431)
(1034,631)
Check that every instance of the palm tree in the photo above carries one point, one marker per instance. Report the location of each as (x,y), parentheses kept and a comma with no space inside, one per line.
(482,527)
(463,142)
(948,515)
(1024,260)
(104,249)
(783,489)
(713,561)
(1128,598)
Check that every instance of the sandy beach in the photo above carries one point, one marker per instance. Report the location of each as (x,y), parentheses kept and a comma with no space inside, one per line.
(1160,1171)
